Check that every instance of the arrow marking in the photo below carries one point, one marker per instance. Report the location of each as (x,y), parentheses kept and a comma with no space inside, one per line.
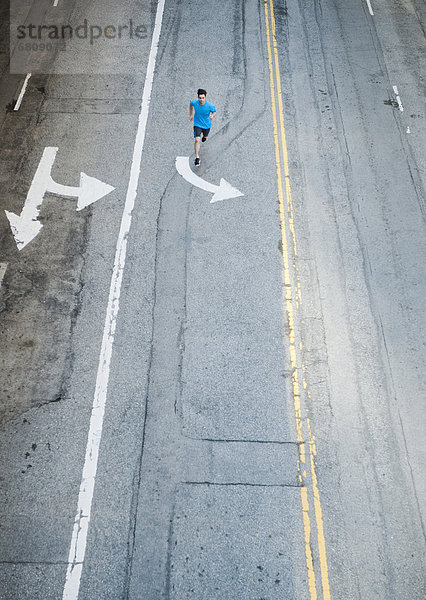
(26,226)
(223,191)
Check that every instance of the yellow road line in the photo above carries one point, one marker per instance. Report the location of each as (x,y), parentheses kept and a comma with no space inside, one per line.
(269,16)
(282,130)
(318,517)
(288,301)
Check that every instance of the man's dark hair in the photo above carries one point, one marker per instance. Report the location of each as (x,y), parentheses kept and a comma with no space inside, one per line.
(201,91)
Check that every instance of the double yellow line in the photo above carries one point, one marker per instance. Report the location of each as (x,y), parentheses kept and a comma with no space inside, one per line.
(292,295)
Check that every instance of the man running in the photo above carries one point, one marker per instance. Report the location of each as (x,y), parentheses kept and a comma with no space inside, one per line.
(201,113)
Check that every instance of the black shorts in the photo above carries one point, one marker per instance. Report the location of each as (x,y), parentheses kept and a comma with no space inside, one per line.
(199,130)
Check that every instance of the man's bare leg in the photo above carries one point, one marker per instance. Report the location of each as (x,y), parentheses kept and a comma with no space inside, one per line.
(197,147)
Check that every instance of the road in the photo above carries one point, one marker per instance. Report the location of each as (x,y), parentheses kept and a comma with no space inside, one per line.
(213,400)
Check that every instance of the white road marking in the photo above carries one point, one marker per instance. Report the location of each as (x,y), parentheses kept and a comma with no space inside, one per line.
(370,8)
(408,130)
(26,227)
(21,95)
(89,191)
(85,498)
(3,267)
(55,3)
(222,191)
(398,99)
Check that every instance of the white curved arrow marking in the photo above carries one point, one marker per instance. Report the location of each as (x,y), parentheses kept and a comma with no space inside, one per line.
(222,191)
(90,190)
(25,227)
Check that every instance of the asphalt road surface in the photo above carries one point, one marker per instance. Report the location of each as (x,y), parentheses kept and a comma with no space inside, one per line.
(213,400)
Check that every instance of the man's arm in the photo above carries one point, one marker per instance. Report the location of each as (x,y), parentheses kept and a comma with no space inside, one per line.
(191,112)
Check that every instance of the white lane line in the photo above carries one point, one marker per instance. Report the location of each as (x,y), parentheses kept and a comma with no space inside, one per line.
(370,8)
(55,3)
(398,99)
(82,518)
(3,267)
(21,95)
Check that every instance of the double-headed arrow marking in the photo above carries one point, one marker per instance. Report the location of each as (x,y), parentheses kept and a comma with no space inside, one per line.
(26,226)
(222,191)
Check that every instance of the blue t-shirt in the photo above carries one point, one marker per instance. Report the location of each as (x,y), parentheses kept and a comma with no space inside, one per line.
(202,114)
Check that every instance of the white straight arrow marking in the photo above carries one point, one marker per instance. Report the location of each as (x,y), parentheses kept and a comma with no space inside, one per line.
(223,191)
(26,226)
